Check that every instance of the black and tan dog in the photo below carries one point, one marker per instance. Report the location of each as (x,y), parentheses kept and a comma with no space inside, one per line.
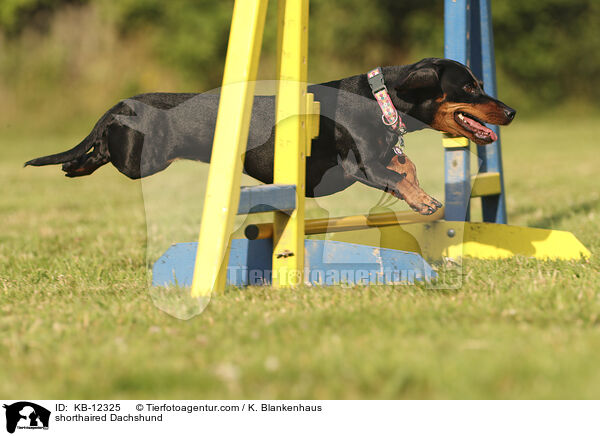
(144,134)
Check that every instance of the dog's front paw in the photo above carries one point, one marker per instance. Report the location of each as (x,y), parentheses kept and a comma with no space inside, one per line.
(424,204)
(416,198)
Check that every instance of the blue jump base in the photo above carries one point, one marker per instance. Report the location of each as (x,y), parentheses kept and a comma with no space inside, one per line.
(326,263)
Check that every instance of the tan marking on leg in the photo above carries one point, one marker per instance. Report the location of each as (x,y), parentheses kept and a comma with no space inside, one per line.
(408,188)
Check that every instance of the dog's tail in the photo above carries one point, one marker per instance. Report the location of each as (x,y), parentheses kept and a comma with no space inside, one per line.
(66,156)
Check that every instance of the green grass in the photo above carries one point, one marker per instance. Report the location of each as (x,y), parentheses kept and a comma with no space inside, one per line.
(77,319)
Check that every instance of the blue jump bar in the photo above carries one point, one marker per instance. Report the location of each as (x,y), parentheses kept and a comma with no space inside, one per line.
(267,198)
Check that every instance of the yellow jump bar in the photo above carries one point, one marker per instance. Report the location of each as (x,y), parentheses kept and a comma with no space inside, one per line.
(347,223)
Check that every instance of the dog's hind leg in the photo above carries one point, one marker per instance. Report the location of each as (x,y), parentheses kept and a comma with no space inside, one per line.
(132,155)
(85,165)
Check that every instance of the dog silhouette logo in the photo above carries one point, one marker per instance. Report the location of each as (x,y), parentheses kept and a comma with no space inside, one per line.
(26,415)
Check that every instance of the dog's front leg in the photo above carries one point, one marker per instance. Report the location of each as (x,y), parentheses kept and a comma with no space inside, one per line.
(391,180)
(401,164)
(408,188)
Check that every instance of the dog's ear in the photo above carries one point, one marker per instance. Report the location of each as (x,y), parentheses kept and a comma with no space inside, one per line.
(427,77)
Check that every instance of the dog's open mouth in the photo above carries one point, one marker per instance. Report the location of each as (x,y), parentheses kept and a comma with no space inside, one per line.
(475,126)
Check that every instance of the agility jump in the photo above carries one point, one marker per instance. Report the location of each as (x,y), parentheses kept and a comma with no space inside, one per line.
(401,240)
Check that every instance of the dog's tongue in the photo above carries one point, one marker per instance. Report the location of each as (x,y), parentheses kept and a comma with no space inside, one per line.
(480,130)
(487,133)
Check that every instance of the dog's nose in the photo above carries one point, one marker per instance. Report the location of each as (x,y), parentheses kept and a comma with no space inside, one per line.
(510,113)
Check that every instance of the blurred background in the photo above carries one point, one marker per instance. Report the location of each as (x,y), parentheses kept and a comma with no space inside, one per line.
(64,62)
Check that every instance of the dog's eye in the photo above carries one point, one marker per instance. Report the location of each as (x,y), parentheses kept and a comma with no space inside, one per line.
(470,89)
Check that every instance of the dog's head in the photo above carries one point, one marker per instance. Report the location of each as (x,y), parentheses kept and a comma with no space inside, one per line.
(446,95)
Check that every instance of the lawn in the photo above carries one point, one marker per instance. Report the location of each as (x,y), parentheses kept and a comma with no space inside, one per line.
(78,321)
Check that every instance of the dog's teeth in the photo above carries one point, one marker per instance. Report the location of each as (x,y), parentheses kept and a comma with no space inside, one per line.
(461,116)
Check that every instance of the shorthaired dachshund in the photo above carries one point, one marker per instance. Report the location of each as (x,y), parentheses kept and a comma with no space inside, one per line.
(143,135)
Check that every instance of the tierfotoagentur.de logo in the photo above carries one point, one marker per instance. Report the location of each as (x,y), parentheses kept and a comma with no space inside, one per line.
(24,415)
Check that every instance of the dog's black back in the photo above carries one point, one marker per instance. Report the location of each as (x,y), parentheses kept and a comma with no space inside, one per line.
(144,134)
